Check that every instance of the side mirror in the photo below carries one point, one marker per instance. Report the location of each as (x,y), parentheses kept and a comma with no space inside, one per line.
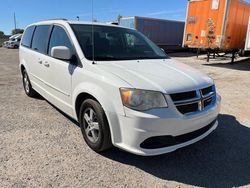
(61,52)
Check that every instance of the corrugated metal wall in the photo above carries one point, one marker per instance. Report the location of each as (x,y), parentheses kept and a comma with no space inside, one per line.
(162,32)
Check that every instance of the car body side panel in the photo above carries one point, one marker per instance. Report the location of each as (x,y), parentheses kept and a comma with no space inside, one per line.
(30,59)
(58,75)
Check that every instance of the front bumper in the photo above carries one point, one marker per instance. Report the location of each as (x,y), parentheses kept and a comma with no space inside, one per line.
(136,127)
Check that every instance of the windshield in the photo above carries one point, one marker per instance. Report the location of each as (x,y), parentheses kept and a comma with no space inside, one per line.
(114,43)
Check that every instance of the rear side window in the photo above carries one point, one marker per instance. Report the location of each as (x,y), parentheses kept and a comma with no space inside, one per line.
(59,38)
(40,38)
(27,36)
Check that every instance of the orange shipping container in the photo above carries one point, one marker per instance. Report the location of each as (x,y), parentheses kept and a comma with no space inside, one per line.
(215,24)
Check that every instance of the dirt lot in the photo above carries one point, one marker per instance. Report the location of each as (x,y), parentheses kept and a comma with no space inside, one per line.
(40,147)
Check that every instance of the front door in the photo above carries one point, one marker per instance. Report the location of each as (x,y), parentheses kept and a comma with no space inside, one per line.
(59,72)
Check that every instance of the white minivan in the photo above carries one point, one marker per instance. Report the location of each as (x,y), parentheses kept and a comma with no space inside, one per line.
(122,89)
(14,41)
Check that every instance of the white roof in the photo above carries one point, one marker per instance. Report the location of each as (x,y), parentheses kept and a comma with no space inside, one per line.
(61,21)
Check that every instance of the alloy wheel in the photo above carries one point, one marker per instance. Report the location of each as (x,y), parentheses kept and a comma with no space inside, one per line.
(26,83)
(92,128)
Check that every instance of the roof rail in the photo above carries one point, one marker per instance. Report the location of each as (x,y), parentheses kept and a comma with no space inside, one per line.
(64,19)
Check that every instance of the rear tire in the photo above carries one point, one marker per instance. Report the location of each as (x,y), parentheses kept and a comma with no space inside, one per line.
(27,85)
(94,126)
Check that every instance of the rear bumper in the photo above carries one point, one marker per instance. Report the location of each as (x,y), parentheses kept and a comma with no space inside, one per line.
(137,127)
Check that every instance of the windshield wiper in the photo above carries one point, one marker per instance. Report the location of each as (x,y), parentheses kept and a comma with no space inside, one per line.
(106,58)
(110,58)
(150,58)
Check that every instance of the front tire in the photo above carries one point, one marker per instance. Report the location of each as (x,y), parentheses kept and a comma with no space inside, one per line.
(27,85)
(94,126)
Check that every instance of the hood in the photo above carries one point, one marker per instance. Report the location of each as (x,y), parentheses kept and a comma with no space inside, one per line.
(167,76)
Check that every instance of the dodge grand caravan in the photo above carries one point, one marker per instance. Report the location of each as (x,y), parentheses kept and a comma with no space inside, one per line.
(122,89)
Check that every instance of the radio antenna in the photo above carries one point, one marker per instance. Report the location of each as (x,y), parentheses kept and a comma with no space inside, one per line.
(93,38)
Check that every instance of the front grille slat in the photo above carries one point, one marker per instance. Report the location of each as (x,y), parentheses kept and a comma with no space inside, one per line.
(208,101)
(207,90)
(183,96)
(193,101)
(188,108)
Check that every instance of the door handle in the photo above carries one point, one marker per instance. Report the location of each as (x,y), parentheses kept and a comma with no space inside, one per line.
(46,64)
(40,61)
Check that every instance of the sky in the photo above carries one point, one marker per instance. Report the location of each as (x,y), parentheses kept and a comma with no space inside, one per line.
(30,11)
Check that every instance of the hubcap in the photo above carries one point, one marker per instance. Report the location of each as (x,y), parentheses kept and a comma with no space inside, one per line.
(92,128)
(26,83)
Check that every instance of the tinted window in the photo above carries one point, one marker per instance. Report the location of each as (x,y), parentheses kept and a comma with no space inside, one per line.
(40,39)
(26,40)
(114,43)
(59,38)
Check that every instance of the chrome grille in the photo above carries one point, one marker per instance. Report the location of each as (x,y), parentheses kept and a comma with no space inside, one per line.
(193,101)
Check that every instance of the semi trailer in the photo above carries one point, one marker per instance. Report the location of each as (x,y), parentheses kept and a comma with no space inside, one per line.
(168,34)
(216,25)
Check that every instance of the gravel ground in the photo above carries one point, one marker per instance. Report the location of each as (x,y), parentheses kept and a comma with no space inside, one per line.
(41,147)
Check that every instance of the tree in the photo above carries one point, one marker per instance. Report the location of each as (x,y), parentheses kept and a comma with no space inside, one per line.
(17,31)
(119,18)
(1,34)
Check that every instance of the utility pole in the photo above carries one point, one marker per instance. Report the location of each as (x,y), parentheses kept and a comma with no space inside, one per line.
(15,20)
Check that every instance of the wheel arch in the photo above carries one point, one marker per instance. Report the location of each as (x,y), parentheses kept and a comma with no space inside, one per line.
(22,67)
(97,93)
(79,100)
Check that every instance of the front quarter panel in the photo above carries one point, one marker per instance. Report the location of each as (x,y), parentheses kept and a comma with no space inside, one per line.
(104,87)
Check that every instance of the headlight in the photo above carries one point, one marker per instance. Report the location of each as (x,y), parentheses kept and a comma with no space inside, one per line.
(142,100)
